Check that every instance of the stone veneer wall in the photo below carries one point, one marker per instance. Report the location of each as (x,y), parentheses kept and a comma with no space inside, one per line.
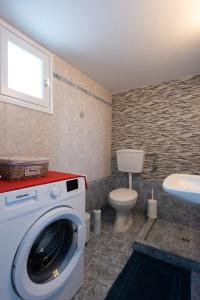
(164,120)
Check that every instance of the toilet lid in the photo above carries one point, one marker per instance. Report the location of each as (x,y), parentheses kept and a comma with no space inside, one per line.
(123,195)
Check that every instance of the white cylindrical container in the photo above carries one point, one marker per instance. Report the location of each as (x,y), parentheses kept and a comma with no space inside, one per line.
(97,221)
(152,209)
(87,224)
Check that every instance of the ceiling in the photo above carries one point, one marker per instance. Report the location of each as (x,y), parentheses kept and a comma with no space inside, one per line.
(121,44)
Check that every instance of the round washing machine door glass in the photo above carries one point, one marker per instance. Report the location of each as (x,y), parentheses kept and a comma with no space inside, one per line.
(48,253)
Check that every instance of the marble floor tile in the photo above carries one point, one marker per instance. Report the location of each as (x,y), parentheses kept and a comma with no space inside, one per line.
(105,257)
(106,254)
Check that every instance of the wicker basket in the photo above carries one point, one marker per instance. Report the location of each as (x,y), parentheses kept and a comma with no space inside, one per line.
(18,168)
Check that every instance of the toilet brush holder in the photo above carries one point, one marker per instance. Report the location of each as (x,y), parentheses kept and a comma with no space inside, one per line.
(152,207)
(152,210)
(97,221)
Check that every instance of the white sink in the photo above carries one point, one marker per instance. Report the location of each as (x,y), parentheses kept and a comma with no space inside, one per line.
(183,186)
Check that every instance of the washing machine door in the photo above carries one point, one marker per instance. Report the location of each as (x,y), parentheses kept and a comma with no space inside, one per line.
(48,253)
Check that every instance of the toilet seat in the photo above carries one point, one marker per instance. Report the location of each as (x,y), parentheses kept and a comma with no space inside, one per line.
(123,195)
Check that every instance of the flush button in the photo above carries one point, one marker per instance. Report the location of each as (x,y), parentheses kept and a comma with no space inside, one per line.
(55,191)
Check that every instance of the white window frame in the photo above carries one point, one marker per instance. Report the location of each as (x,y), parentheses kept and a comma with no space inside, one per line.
(9,33)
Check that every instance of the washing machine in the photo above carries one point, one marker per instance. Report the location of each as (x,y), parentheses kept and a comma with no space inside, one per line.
(42,240)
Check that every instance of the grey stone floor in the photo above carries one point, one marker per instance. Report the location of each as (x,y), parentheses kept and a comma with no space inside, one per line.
(106,255)
(179,240)
(174,243)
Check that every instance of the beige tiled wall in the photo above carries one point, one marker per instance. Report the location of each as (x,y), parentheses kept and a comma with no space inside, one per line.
(76,137)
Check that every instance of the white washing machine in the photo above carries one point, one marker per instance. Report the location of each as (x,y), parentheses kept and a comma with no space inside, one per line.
(42,240)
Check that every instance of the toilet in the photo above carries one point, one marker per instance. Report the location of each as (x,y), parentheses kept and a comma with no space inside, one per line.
(124,199)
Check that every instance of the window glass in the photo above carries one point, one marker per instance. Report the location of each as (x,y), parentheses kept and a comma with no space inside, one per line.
(25,71)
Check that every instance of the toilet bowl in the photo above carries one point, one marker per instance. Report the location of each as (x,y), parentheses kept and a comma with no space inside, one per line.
(123,200)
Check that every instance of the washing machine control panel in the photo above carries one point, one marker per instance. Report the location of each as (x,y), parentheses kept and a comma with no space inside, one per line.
(20,196)
(72,185)
(55,191)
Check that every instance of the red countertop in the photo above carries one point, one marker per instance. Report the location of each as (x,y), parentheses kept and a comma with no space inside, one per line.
(7,186)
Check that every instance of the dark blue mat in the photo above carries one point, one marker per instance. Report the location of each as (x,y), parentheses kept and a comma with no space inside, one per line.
(147,278)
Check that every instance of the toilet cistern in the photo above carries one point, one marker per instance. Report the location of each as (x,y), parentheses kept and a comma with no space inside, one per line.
(124,199)
(130,161)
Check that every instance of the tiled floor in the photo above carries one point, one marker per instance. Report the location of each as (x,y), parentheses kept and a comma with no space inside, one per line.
(105,257)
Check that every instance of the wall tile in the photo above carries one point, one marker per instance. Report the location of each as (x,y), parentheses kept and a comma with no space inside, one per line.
(164,120)
(76,137)
(2,128)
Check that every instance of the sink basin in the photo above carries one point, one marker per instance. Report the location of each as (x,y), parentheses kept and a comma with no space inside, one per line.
(186,187)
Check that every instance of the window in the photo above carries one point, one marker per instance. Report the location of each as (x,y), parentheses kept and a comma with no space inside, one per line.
(26,71)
